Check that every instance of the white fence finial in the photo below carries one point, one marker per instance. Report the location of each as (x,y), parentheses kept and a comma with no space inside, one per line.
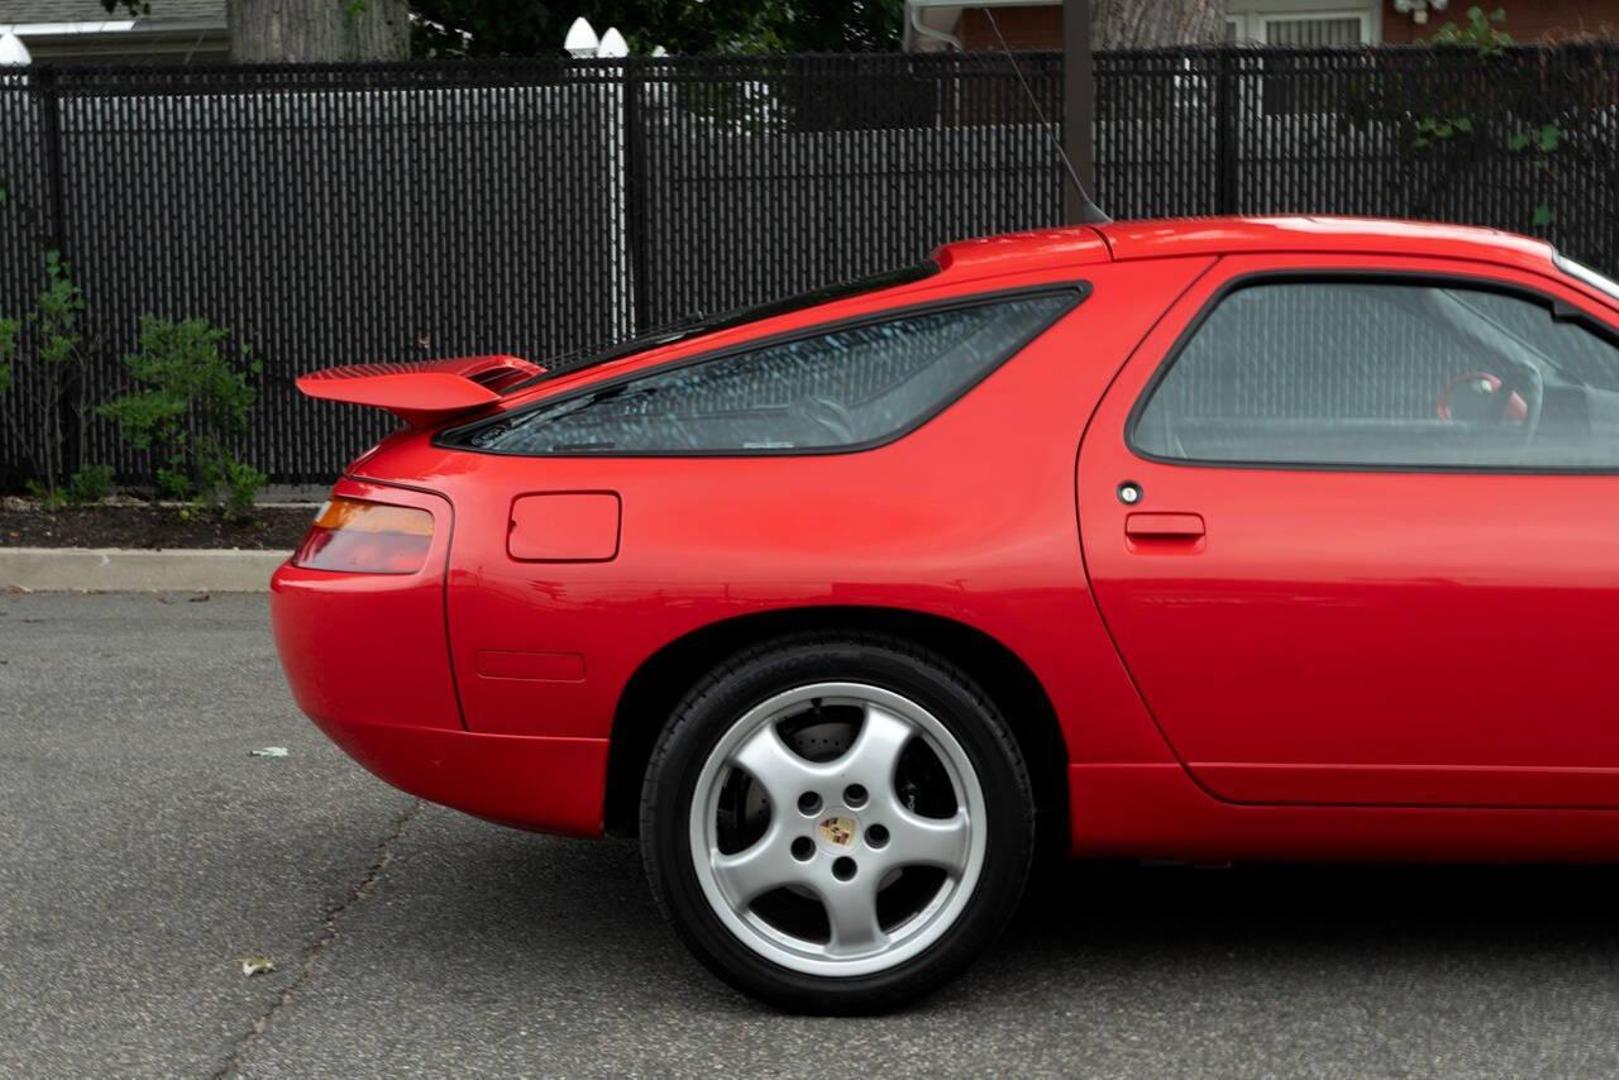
(13,51)
(581,40)
(613,46)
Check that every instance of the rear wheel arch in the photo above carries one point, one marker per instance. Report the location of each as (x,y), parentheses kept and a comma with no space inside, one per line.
(663,679)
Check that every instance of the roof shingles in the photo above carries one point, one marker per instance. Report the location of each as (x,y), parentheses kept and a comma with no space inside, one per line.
(15,12)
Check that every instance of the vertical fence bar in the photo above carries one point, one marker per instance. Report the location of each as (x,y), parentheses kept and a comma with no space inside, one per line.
(1226,106)
(1078,110)
(635,194)
(63,431)
(44,83)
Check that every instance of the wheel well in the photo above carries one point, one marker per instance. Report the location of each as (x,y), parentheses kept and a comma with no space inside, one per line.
(663,679)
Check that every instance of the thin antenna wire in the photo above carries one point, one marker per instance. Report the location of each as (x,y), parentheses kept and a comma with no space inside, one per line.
(1093,213)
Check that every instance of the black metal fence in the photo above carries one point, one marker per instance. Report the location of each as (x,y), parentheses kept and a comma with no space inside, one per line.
(337,214)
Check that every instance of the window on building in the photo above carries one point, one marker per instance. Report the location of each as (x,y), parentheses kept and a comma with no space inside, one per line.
(1301,24)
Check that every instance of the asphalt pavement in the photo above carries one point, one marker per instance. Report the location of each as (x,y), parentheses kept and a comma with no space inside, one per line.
(145,853)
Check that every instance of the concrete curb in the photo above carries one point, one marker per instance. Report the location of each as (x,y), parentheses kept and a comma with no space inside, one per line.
(128,570)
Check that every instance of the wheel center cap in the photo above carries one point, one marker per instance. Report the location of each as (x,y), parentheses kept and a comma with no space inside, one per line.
(838,831)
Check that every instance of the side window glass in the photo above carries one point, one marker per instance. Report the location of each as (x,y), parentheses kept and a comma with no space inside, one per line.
(1387,374)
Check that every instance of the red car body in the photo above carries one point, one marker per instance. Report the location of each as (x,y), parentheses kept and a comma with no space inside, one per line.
(1242,662)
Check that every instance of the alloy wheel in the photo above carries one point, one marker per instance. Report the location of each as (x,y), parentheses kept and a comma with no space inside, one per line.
(838,829)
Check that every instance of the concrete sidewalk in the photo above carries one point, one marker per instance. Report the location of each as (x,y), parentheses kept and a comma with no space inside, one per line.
(126,570)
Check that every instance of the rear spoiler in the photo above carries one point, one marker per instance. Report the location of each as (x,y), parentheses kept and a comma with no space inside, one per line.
(421,392)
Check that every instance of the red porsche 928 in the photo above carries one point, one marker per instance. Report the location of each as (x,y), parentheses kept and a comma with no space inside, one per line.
(1200,540)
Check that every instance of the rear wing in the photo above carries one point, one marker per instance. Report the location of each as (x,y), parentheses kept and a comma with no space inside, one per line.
(422,392)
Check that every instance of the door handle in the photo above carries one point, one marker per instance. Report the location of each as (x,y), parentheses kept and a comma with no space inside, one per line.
(1163,526)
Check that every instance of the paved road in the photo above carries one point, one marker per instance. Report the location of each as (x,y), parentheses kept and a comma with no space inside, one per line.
(143,852)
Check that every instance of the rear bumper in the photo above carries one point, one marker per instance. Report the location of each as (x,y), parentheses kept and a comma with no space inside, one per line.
(546,784)
(367,658)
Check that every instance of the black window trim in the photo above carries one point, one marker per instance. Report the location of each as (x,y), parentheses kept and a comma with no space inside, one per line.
(453,438)
(1557,306)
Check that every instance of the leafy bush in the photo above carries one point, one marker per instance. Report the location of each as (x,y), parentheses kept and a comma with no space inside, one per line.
(193,402)
(1481,31)
(242,483)
(50,336)
(56,314)
(49,498)
(89,485)
(9,329)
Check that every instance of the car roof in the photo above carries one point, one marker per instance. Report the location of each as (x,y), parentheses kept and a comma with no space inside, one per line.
(1168,238)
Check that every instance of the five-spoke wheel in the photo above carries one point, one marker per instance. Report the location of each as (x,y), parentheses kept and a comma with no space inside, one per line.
(781,810)
(837,825)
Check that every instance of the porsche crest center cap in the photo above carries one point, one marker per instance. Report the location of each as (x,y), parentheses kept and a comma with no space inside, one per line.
(838,831)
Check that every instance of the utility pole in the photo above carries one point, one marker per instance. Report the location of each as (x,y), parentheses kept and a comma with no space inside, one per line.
(1078,106)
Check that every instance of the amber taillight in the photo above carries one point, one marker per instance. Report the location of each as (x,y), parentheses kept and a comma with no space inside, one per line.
(358,537)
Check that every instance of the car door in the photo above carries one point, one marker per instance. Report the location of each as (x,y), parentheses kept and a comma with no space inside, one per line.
(1353,524)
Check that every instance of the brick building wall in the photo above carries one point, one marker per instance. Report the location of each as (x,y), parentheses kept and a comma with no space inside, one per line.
(1024,27)
(1040,26)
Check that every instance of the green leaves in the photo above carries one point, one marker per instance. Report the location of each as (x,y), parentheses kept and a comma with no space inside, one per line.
(56,313)
(194,399)
(90,484)
(9,330)
(1546,139)
(1432,129)
(1479,32)
(1483,33)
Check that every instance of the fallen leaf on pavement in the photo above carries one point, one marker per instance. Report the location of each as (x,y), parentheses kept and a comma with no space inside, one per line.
(257,965)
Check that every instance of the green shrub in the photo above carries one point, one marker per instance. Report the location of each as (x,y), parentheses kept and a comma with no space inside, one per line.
(90,484)
(50,498)
(50,336)
(194,400)
(242,482)
(9,329)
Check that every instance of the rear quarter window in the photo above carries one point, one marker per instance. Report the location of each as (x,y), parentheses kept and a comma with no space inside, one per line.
(845,387)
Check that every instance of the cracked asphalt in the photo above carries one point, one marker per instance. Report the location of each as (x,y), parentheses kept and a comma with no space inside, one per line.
(144,853)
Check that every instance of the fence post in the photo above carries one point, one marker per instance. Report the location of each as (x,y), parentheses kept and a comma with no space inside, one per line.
(43,82)
(635,195)
(1079,109)
(66,417)
(1225,140)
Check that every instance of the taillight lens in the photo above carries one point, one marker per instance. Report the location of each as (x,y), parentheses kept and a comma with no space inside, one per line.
(359,537)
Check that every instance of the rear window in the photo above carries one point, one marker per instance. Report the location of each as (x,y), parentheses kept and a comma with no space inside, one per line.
(847,387)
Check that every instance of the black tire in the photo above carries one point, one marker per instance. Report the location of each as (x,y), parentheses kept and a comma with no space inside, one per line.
(748,679)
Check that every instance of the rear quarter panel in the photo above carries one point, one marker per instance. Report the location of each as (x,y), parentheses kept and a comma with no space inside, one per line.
(971,518)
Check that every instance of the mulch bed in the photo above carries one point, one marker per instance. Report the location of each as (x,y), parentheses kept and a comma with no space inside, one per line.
(274,528)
